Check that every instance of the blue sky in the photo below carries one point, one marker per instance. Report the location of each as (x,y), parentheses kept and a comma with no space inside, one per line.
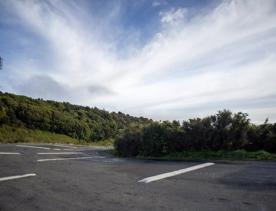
(160,59)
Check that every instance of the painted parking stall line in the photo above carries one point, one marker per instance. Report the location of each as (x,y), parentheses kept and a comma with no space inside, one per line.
(60,159)
(175,173)
(59,153)
(34,147)
(10,153)
(17,177)
(65,146)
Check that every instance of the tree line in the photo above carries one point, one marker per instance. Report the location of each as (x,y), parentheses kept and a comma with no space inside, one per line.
(138,135)
(222,131)
(79,122)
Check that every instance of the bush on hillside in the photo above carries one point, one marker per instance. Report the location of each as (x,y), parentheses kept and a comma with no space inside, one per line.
(224,131)
(129,143)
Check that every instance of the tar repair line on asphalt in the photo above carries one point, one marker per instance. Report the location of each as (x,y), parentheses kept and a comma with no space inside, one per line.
(35,147)
(59,153)
(10,153)
(17,177)
(79,158)
(174,173)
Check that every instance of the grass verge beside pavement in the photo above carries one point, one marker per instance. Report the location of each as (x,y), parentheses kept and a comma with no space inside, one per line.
(216,155)
(9,134)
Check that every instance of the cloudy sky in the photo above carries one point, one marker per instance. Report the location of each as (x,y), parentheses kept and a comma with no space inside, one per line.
(163,59)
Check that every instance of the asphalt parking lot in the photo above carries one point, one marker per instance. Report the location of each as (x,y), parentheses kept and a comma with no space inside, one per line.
(66,177)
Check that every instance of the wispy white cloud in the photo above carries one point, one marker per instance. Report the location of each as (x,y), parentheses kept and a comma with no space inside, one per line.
(159,3)
(222,54)
(173,15)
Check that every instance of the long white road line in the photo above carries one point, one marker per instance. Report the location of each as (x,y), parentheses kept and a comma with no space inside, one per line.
(10,153)
(65,146)
(17,177)
(174,173)
(78,158)
(35,147)
(59,153)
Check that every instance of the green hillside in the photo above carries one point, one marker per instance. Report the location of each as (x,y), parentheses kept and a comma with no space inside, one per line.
(79,122)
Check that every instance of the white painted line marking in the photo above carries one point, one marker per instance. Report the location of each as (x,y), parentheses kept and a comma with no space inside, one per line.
(17,177)
(57,149)
(10,153)
(174,173)
(59,153)
(78,158)
(60,145)
(35,147)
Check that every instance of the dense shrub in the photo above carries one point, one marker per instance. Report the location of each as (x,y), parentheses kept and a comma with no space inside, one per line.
(270,139)
(224,131)
(129,143)
(154,140)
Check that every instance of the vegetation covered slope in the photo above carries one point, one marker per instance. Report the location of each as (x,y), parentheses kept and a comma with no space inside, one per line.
(23,119)
(78,122)
(10,134)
